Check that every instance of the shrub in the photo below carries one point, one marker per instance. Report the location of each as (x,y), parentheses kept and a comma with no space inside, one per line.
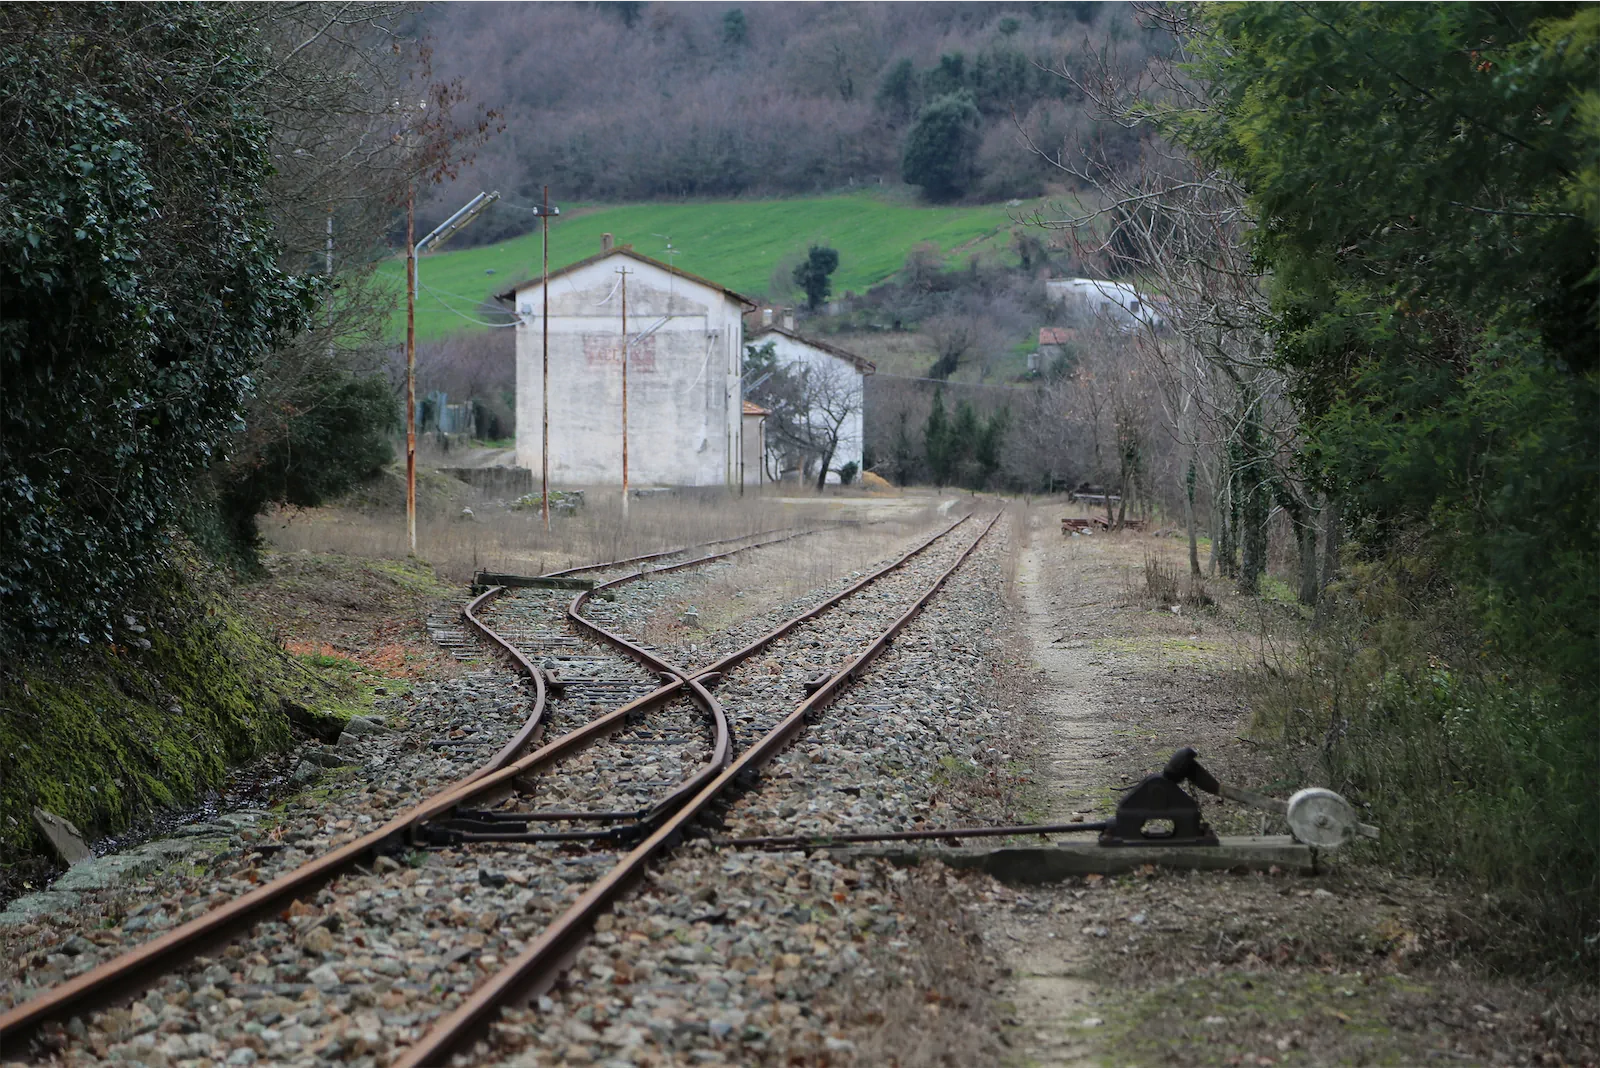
(139,288)
(312,454)
(1471,768)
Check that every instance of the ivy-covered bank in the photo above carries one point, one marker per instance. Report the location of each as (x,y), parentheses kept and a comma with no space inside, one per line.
(189,686)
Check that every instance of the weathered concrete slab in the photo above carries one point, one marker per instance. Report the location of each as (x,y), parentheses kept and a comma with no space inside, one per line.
(32,906)
(1052,863)
(68,842)
(103,873)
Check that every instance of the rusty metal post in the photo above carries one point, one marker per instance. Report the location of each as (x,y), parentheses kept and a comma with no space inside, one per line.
(623,271)
(544,450)
(411,368)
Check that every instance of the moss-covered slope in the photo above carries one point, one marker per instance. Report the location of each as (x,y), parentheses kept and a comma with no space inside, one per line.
(99,735)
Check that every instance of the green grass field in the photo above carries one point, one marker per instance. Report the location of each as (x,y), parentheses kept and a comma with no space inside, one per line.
(734,243)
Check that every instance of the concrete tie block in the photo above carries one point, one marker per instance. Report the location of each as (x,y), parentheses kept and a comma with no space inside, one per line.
(67,841)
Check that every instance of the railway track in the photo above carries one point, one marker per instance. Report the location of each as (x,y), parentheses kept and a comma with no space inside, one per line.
(646,748)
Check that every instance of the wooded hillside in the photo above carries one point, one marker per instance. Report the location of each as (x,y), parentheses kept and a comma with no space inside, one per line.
(631,101)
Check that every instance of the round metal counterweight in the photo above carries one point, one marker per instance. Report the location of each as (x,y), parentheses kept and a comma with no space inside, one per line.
(1319,817)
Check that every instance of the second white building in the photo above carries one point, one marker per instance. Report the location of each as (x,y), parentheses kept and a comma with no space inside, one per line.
(836,393)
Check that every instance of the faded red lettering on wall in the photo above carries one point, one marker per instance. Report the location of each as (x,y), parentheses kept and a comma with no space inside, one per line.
(607,351)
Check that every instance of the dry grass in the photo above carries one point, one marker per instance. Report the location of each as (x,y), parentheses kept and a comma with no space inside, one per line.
(1166,585)
(490,536)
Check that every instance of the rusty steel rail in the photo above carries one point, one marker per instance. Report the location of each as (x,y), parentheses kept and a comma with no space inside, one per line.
(574,742)
(647,557)
(141,966)
(533,728)
(537,967)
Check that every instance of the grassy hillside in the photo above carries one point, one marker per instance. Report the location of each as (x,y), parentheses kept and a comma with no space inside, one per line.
(735,243)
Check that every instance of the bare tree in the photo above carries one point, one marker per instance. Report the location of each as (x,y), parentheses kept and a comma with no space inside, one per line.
(953,337)
(356,120)
(812,406)
(1180,232)
(833,398)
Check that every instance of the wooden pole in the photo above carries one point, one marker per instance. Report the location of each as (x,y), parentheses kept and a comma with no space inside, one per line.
(623,271)
(544,451)
(411,369)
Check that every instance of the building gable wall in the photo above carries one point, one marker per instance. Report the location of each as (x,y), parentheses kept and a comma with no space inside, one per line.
(684,396)
(793,352)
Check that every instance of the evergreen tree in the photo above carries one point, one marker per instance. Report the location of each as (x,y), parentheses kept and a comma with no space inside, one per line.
(896,90)
(964,432)
(990,441)
(813,275)
(140,290)
(903,452)
(942,149)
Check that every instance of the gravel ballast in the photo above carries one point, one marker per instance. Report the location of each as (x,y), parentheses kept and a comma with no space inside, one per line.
(366,964)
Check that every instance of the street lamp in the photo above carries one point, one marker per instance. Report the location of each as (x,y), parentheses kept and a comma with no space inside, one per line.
(438,236)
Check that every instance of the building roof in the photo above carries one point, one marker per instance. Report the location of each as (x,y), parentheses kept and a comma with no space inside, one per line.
(755,409)
(628,251)
(1057,335)
(865,366)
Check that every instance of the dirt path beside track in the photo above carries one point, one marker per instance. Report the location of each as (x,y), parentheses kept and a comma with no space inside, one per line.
(1355,966)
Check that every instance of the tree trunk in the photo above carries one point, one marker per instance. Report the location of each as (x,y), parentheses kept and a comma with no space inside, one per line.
(1225,549)
(1306,535)
(1188,520)
(1253,535)
(1332,536)
(822,475)
(1221,525)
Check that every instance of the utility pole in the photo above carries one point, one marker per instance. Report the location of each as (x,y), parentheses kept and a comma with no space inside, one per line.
(438,235)
(623,271)
(544,211)
(411,368)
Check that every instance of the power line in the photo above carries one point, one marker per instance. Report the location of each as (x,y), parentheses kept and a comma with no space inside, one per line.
(439,297)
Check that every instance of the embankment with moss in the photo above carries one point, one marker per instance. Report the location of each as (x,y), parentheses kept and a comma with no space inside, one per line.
(189,687)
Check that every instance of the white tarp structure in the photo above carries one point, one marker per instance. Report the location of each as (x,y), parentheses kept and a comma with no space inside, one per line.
(1118,301)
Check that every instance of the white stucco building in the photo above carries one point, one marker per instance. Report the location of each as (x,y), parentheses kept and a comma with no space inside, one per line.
(685,343)
(1118,301)
(836,391)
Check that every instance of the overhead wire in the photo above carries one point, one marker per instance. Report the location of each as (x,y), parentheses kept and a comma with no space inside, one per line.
(439,296)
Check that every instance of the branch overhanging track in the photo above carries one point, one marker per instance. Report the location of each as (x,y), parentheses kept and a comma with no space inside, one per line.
(539,965)
(497,779)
